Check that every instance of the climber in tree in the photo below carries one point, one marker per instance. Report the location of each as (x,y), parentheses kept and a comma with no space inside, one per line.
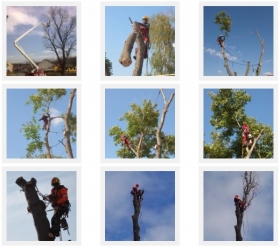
(221,40)
(246,136)
(125,140)
(144,29)
(241,204)
(45,120)
(60,204)
(138,192)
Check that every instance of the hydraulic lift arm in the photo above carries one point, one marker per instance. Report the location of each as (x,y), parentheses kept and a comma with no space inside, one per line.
(20,48)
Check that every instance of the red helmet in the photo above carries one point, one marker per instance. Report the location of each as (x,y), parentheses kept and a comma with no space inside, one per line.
(236,196)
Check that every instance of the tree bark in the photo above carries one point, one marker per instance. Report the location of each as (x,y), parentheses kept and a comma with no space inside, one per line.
(159,141)
(226,62)
(139,56)
(258,71)
(135,217)
(249,153)
(248,68)
(125,58)
(67,126)
(237,227)
(36,207)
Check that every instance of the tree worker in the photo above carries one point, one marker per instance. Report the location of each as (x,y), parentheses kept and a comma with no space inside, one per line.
(221,40)
(144,30)
(125,140)
(60,204)
(246,136)
(45,120)
(241,204)
(138,192)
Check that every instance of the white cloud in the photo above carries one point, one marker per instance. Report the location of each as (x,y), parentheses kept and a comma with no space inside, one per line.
(268,61)
(268,74)
(213,52)
(54,113)
(220,72)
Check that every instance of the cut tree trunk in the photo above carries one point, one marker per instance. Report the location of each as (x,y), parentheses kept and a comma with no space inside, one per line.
(237,227)
(67,126)
(139,56)
(226,62)
(36,207)
(248,68)
(135,217)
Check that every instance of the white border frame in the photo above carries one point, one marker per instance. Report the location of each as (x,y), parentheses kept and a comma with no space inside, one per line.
(4,204)
(176,169)
(5,87)
(275,207)
(103,6)
(176,99)
(274,87)
(275,41)
(78,45)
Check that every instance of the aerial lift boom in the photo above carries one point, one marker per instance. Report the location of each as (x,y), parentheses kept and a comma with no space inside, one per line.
(20,48)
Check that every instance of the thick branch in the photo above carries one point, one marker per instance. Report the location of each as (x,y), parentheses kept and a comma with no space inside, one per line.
(249,153)
(67,126)
(248,68)
(258,71)
(239,219)
(167,104)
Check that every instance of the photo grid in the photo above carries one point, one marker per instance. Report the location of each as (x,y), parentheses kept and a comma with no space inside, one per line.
(163,152)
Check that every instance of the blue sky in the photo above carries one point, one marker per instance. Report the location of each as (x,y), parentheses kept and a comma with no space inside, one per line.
(242,43)
(219,218)
(117,102)
(18,114)
(20,225)
(260,107)
(21,19)
(157,216)
(118,28)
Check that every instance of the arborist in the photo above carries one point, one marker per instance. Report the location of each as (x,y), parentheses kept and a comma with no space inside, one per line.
(125,140)
(221,40)
(45,120)
(61,206)
(138,192)
(246,134)
(241,204)
(144,30)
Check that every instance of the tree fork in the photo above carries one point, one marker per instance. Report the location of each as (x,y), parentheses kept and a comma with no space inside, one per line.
(36,207)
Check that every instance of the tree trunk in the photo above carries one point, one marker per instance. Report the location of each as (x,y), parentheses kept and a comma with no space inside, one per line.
(67,126)
(139,56)
(36,207)
(258,71)
(135,217)
(239,219)
(249,153)
(248,68)
(226,61)
(125,58)
(159,142)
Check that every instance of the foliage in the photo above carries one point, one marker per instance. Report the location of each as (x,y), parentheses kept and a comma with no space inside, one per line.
(142,121)
(227,106)
(223,19)
(162,38)
(108,67)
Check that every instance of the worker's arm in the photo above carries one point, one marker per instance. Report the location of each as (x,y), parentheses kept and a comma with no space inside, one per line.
(64,196)
(147,25)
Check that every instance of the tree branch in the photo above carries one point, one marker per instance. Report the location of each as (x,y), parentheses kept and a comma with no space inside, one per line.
(249,153)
